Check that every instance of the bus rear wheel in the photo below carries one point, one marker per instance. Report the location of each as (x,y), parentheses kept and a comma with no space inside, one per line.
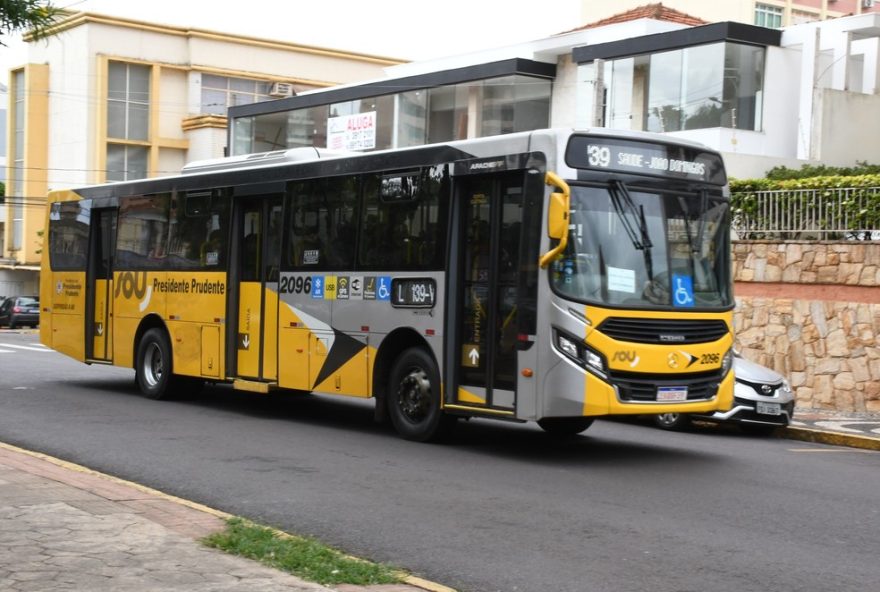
(414,397)
(565,426)
(153,365)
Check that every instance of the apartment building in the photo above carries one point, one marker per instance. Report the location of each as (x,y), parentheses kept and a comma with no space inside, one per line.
(111,99)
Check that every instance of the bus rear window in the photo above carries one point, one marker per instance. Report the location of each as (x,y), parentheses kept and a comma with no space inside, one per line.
(69,235)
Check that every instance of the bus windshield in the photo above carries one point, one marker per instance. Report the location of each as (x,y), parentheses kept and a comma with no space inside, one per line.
(648,249)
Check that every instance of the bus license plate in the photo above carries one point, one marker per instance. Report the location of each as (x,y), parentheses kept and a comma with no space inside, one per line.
(672,393)
(768,408)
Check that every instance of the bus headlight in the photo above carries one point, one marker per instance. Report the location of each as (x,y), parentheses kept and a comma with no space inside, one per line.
(567,346)
(594,360)
(727,362)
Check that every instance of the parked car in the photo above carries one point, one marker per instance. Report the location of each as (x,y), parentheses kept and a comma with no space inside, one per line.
(20,310)
(762,401)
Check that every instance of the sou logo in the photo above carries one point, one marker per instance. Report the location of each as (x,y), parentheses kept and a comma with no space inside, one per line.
(627,356)
(131,283)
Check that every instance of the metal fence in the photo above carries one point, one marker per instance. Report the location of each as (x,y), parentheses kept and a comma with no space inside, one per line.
(808,214)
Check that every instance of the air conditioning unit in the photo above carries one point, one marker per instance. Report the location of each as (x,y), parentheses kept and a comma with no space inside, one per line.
(867,3)
(280,90)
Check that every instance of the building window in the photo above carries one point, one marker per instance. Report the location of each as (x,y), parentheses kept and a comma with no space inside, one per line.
(222,92)
(126,162)
(128,101)
(768,16)
(716,85)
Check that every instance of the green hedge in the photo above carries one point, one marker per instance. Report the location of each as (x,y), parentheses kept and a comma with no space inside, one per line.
(861,207)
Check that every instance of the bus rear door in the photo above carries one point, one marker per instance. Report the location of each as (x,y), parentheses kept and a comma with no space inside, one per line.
(255,303)
(99,295)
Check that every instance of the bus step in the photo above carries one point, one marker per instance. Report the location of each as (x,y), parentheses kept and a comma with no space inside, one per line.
(253,386)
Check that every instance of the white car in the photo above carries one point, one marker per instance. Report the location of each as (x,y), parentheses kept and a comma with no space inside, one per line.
(762,401)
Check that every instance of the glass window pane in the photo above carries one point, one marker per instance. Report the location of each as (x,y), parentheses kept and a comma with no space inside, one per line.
(117,80)
(116,119)
(412,122)
(115,162)
(213,101)
(142,232)
(702,102)
(138,121)
(307,127)
(242,85)
(136,162)
(212,81)
(620,102)
(743,86)
(139,83)
(664,92)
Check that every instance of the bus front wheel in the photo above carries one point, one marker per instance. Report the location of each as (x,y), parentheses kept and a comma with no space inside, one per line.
(414,397)
(153,365)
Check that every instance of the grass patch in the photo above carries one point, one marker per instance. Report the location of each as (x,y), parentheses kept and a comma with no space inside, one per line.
(301,556)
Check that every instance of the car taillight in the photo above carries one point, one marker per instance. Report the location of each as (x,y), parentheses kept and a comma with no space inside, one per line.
(16,309)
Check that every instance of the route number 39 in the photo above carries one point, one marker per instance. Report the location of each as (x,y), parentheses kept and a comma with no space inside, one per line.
(599,156)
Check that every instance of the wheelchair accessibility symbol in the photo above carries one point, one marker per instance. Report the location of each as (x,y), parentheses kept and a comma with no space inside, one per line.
(682,290)
(383,289)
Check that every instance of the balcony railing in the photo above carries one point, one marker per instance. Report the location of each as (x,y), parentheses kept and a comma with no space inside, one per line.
(808,214)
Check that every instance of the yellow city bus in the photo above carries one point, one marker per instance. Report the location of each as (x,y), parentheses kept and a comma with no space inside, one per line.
(550,276)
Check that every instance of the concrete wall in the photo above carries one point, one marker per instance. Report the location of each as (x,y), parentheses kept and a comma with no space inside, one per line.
(847,120)
(811,311)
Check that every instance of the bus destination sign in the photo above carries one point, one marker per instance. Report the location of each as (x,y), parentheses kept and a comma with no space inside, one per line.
(645,158)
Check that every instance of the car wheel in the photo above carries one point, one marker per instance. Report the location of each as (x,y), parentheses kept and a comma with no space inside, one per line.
(414,397)
(153,365)
(672,421)
(565,426)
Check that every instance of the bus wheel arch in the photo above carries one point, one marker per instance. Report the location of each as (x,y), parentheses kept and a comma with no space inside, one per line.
(408,388)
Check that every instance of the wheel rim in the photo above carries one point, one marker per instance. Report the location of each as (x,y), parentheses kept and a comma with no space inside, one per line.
(414,395)
(153,365)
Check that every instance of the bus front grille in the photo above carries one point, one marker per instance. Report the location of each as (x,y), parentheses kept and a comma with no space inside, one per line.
(663,331)
(638,388)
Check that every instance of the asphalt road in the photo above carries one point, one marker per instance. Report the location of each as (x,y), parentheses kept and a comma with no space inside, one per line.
(503,507)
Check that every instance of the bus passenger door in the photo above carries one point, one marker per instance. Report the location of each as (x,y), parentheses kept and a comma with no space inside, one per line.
(258,228)
(490,219)
(99,295)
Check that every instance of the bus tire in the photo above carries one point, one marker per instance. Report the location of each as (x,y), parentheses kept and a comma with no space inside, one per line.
(413,397)
(565,426)
(153,371)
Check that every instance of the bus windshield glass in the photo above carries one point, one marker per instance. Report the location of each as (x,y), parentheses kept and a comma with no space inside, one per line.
(636,248)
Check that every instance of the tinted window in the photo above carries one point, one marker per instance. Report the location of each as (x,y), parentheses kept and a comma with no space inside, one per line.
(198,230)
(141,242)
(322,225)
(69,235)
(404,220)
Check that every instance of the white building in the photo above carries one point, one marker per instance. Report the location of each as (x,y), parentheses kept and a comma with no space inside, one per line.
(107,99)
(761,96)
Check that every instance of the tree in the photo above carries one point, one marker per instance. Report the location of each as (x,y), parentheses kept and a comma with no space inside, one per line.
(36,16)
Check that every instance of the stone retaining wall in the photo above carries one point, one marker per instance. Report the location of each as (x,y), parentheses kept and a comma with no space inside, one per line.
(811,311)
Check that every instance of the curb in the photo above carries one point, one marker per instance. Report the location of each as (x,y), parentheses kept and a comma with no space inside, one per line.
(832,438)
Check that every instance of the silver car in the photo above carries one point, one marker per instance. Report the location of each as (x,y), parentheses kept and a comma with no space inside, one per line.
(762,401)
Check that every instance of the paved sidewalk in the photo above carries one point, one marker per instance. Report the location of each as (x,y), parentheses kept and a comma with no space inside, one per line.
(64,527)
(856,430)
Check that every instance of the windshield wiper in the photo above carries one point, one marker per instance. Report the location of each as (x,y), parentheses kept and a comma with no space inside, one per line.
(632,218)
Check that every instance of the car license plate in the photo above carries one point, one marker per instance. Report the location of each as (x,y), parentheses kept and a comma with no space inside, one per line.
(672,393)
(768,408)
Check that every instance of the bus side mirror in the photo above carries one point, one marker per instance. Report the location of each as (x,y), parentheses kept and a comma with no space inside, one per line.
(557,218)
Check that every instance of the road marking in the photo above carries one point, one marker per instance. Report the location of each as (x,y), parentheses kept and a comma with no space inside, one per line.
(832,450)
(36,348)
(6,351)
